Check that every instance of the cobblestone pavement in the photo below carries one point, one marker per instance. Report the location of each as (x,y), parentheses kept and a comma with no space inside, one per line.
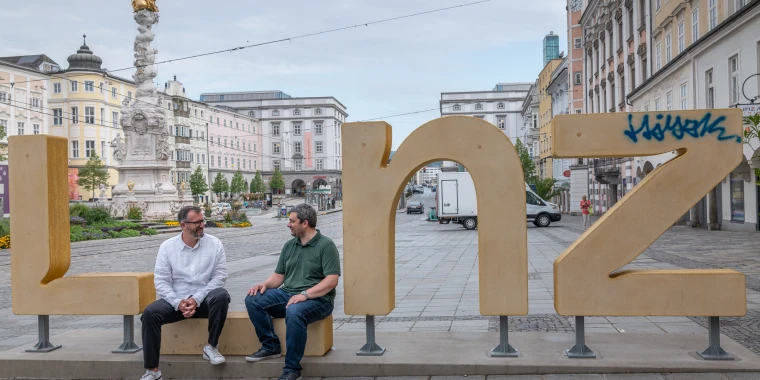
(654,376)
(436,277)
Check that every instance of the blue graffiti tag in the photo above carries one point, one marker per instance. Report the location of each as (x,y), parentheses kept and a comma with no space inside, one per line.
(678,128)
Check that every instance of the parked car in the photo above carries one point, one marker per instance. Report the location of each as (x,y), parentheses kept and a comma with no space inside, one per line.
(415,206)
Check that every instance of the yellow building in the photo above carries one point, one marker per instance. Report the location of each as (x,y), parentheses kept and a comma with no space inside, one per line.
(545,168)
(84,106)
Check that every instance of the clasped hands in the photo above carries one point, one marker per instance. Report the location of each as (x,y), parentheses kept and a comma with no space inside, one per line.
(261,288)
(188,307)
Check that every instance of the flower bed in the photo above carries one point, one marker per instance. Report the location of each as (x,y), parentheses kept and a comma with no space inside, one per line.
(172,223)
(112,230)
(5,242)
(227,225)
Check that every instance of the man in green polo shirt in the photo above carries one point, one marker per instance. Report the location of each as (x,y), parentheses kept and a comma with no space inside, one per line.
(301,290)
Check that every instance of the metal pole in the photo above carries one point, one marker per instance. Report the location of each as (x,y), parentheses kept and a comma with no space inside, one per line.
(43,343)
(370,348)
(714,351)
(128,346)
(580,350)
(504,349)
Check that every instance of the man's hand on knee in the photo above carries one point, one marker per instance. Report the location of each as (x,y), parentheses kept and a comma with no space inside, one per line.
(260,288)
(188,307)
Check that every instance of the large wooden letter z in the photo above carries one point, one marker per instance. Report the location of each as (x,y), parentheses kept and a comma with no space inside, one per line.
(372,187)
(709,146)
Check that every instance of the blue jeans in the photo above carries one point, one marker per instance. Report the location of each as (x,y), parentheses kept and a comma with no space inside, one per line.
(263,307)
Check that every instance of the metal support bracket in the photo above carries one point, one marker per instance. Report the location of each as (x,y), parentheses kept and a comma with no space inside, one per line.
(714,351)
(128,346)
(580,350)
(504,350)
(370,348)
(43,343)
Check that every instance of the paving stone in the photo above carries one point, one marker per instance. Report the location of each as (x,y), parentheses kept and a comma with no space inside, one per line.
(573,377)
(694,376)
(743,375)
(514,377)
(458,377)
(633,376)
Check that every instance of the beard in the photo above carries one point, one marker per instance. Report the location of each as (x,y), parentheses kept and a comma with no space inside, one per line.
(197,234)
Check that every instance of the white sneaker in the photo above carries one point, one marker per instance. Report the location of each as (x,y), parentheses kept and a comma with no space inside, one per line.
(150,375)
(212,354)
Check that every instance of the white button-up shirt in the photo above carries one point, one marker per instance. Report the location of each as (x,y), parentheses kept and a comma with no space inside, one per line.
(183,271)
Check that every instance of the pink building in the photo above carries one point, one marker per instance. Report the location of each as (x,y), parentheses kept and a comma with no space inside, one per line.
(234,143)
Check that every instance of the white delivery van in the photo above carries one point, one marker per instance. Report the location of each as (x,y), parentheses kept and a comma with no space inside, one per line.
(455,202)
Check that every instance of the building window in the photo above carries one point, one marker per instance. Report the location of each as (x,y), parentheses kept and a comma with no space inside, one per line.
(252,113)
(276,164)
(318,128)
(275,129)
(737,198)
(74,115)
(56,88)
(36,129)
(500,106)
(254,147)
(478,106)
(75,149)
(89,148)
(318,147)
(113,92)
(102,116)
(100,86)
(20,128)
(577,78)
(317,111)
(103,149)
(658,56)
(57,116)
(669,101)
(89,115)
(225,143)
(684,100)
(657,104)
(457,107)
(219,161)
(712,14)
(74,86)
(296,112)
(129,96)
(297,129)
(668,48)
(276,148)
(695,25)
(226,162)
(204,159)
(501,122)
(255,164)
(115,117)
(733,79)
(577,43)
(3,97)
(298,164)
(89,86)
(710,96)
(211,161)
(680,37)
(320,164)
(275,113)
(297,147)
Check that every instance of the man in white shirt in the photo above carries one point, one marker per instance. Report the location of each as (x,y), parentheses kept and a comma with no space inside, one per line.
(191,270)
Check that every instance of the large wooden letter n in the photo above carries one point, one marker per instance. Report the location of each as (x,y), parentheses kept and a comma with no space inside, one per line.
(372,188)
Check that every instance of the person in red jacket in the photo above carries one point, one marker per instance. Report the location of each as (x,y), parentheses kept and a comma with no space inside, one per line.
(585,204)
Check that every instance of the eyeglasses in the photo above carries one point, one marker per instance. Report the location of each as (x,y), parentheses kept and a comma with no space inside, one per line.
(202,221)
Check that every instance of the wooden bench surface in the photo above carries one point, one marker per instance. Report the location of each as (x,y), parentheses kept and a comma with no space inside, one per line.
(238,336)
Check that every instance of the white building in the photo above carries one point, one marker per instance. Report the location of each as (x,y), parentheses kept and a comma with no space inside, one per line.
(502,107)
(429,174)
(301,136)
(24,95)
(188,129)
(530,122)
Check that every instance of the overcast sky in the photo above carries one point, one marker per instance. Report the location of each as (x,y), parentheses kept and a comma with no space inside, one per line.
(384,69)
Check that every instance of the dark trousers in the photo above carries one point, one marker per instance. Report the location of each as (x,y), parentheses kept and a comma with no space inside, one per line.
(263,307)
(214,307)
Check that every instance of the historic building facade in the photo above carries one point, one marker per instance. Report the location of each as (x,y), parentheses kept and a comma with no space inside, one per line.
(300,136)
(84,106)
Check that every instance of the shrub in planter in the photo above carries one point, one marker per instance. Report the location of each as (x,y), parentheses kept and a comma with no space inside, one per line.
(134,213)
(77,221)
(98,214)
(78,209)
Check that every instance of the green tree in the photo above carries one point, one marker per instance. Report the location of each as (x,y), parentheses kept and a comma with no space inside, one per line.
(277,182)
(220,185)
(751,133)
(198,184)
(3,146)
(528,166)
(237,186)
(257,185)
(93,174)
(545,188)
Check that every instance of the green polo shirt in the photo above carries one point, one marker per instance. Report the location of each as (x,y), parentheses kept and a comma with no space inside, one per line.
(306,265)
